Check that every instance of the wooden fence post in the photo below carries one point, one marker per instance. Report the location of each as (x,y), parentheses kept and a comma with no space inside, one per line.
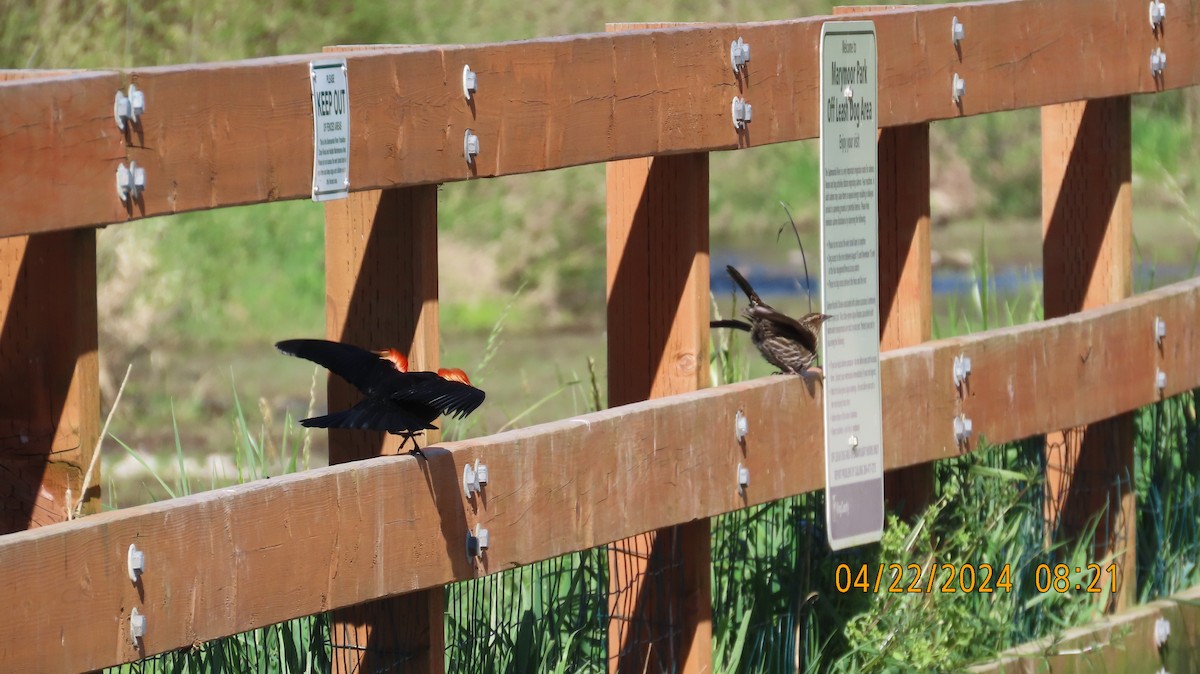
(905,279)
(1086,258)
(50,404)
(382,291)
(658,345)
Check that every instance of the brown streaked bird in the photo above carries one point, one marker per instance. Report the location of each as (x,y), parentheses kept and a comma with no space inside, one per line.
(786,343)
(395,400)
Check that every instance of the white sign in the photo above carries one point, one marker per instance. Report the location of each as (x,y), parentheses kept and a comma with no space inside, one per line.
(331,129)
(850,284)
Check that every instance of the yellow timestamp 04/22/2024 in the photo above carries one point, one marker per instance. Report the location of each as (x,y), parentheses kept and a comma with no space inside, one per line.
(965,578)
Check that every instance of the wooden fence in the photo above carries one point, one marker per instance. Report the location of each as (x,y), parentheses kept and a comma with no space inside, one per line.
(651,101)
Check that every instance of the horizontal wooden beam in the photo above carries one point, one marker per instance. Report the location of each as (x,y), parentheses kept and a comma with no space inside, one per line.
(224,134)
(234,559)
(1124,642)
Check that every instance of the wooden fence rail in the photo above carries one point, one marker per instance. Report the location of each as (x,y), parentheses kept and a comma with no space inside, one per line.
(381,527)
(224,134)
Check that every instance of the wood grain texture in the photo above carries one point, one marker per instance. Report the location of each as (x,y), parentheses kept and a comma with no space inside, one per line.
(382,292)
(1120,643)
(50,405)
(1087,224)
(657,291)
(229,560)
(60,148)
(222,134)
(905,276)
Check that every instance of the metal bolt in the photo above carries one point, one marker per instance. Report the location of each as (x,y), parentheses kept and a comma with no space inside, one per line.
(1160,330)
(135,562)
(742,113)
(474,477)
(469,81)
(1158,12)
(848,92)
(477,541)
(1160,380)
(739,54)
(962,428)
(853,442)
(958,88)
(962,369)
(957,31)
(1162,631)
(740,427)
(130,181)
(129,107)
(470,146)
(743,477)
(137,625)
(1158,61)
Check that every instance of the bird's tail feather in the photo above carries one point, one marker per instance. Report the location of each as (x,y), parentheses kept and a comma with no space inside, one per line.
(743,284)
(730,323)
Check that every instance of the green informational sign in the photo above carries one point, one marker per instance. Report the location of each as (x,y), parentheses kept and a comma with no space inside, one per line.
(850,284)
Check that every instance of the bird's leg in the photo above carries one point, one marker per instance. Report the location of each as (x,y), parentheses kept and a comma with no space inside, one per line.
(416,450)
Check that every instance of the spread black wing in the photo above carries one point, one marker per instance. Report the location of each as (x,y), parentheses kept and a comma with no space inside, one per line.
(365,370)
(376,414)
(450,398)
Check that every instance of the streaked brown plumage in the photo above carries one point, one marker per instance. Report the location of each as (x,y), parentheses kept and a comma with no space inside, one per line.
(786,343)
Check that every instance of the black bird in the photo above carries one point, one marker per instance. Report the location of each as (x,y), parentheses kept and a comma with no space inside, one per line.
(395,400)
(786,343)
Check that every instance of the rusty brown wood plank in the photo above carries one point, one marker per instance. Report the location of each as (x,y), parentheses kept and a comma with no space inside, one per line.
(223,134)
(658,299)
(60,147)
(382,292)
(1119,643)
(1087,253)
(50,404)
(233,559)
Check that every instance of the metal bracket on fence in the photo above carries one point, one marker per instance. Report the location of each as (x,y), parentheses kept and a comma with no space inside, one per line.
(962,369)
(469,82)
(742,113)
(131,180)
(1158,61)
(137,626)
(957,31)
(739,54)
(475,477)
(958,88)
(1158,12)
(1162,631)
(129,107)
(470,146)
(962,428)
(1160,380)
(1160,330)
(135,563)
(743,477)
(477,542)
(740,427)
